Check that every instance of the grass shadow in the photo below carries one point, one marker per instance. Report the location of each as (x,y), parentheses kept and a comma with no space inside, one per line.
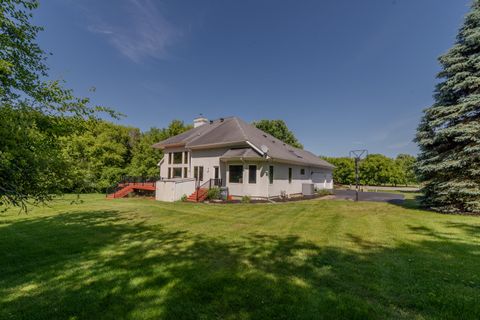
(103,264)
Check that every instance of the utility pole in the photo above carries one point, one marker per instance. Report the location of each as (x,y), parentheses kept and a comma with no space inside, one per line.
(357,155)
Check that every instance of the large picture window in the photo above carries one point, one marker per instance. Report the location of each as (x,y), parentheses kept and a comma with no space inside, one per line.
(177,157)
(236,174)
(252,174)
(270,175)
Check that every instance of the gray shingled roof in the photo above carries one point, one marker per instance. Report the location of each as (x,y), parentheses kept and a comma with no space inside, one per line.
(244,153)
(234,131)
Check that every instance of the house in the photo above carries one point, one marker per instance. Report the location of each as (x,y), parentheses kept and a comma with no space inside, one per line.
(231,153)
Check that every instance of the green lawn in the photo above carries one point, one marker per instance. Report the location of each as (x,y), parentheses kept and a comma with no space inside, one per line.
(136,259)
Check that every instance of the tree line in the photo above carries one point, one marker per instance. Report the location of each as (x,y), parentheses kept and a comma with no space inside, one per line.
(375,169)
(52,140)
(100,155)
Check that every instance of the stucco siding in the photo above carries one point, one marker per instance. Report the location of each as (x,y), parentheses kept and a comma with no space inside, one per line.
(210,158)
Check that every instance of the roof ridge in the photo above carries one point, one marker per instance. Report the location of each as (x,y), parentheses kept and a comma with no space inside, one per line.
(217,123)
(241,128)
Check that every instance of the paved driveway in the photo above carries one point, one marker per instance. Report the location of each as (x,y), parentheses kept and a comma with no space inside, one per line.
(369,196)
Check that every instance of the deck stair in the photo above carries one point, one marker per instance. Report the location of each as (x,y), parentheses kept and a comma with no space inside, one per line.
(198,196)
(201,190)
(130,184)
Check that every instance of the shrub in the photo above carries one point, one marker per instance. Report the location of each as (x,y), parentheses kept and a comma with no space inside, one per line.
(213,193)
(324,192)
(246,199)
(183,198)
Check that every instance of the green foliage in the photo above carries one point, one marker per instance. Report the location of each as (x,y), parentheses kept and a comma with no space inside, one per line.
(324,192)
(406,165)
(213,193)
(278,129)
(448,134)
(376,169)
(30,160)
(144,157)
(98,156)
(344,172)
(184,198)
(103,152)
(246,199)
(34,112)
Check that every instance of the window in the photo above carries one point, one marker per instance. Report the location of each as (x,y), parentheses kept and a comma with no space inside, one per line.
(177,172)
(289,175)
(217,172)
(177,157)
(302,172)
(236,174)
(185,157)
(169,158)
(185,172)
(252,174)
(270,174)
(169,173)
(198,173)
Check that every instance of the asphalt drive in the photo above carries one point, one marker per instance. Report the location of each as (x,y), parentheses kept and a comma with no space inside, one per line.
(369,196)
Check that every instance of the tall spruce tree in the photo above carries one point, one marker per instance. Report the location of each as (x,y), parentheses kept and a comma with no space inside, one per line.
(449,132)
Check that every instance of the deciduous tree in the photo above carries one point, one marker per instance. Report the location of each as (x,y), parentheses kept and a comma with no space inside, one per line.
(34,112)
(279,129)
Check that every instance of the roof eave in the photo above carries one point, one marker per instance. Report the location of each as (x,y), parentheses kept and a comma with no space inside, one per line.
(300,163)
(164,146)
(217,145)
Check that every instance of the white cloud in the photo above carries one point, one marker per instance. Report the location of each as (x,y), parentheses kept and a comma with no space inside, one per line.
(141,32)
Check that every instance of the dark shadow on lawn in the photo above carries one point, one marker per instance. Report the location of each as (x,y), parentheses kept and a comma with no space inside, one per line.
(98,264)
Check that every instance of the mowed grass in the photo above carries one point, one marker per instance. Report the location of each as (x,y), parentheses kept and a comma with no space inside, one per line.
(141,259)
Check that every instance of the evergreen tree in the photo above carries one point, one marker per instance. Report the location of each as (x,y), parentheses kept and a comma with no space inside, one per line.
(449,132)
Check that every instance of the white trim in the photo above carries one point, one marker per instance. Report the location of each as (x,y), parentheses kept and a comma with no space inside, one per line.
(161,161)
(254,147)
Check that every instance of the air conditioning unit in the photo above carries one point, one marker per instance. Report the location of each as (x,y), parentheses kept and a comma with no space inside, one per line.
(308,189)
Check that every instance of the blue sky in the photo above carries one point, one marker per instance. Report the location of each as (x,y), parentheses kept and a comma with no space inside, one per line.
(343,74)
